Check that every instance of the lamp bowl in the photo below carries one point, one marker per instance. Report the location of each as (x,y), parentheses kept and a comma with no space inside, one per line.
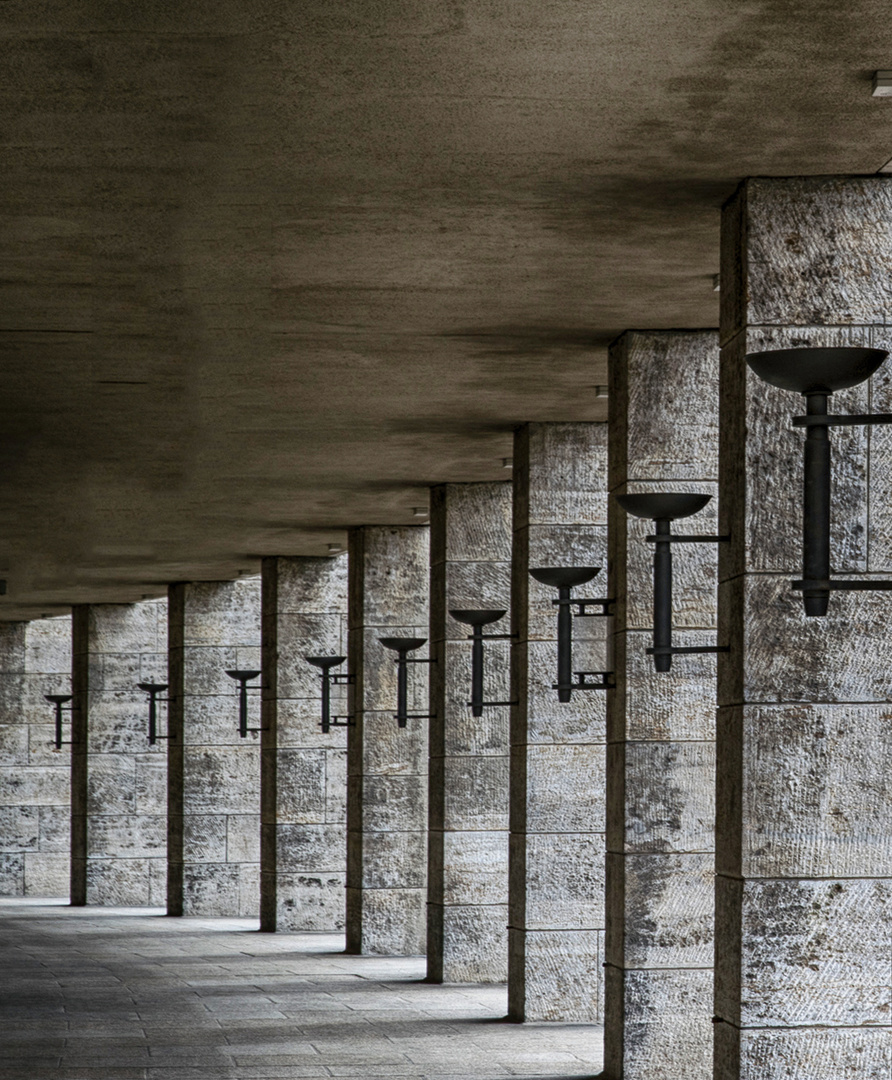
(663,505)
(242,676)
(564,577)
(151,687)
(325,662)
(58,699)
(816,371)
(478,618)
(402,644)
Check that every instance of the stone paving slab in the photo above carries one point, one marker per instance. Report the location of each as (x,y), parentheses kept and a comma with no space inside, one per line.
(128,994)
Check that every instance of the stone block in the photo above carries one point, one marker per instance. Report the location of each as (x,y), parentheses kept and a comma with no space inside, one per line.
(476,519)
(393,921)
(567,470)
(809,794)
(111,784)
(389,860)
(205,670)
(55,828)
(297,720)
(134,836)
(46,874)
(211,889)
(118,723)
(311,585)
(564,789)
(582,719)
(204,838)
(12,688)
(151,782)
(118,882)
(121,628)
(310,902)
(14,741)
(817,1053)
(243,838)
(473,867)
(475,793)
(248,890)
(391,566)
(115,673)
(559,974)
(20,828)
(475,943)
(42,749)
(212,720)
(12,873)
(301,785)
(299,636)
(310,849)
(335,786)
(13,638)
(33,786)
(562,880)
(218,612)
(394,803)
(222,780)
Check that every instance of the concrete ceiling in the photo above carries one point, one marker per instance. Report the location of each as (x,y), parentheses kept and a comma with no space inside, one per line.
(272,267)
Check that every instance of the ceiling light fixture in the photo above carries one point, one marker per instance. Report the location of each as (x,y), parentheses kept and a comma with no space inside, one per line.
(882,84)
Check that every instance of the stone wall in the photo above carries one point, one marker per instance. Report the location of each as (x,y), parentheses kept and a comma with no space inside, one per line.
(214,776)
(304,774)
(117,800)
(35,779)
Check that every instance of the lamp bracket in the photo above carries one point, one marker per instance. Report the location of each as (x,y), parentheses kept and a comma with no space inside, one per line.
(492,704)
(418,660)
(673,650)
(831,420)
(607,682)
(341,721)
(842,585)
(342,678)
(606,603)
(670,538)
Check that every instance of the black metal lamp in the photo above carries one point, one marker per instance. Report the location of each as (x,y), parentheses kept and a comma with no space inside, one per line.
(402,647)
(153,690)
(243,678)
(564,579)
(477,619)
(58,701)
(816,374)
(663,508)
(329,678)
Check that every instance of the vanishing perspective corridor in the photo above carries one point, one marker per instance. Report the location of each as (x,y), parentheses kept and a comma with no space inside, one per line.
(127,994)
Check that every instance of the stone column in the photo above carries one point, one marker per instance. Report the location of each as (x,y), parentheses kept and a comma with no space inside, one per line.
(214,775)
(804,737)
(386,765)
(117,779)
(35,779)
(556,894)
(303,793)
(467,915)
(661,726)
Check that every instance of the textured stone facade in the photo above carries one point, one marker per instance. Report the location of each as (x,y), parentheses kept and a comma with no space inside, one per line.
(661,726)
(303,849)
(35,779)
(804,860)
(467,937)
(556,871)
(214,777)
(387,765)
(117,780)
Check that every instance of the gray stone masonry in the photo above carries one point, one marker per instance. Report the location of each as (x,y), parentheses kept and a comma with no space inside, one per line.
(35,779)
(117,780)
(303,790)
(387,765)
(214,775)
(804,736)
(661,726)
(556,855)
(467,936)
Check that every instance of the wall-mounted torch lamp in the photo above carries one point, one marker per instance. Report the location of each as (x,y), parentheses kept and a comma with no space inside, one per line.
(477,619)
(402,647)
(816,374)
(565,578)
(58,701)
(329,678)
(153,690)
(243,678)
(663,508)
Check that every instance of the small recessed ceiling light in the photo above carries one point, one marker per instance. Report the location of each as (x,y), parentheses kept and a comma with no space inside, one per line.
(887,168)
(882,84)
(716,282)
(335,547)
(419,511)
(600,391)
(507,462)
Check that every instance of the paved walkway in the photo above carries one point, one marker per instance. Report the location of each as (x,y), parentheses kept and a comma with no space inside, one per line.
(127,994)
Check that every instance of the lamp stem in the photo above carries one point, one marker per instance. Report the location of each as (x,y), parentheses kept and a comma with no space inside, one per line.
(565,644)
(816,509)
(402,689)
(153,721)
(243,709)
(326,702)
(662,596)
(477,672)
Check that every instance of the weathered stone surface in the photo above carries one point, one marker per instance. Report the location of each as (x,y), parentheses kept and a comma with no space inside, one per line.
(35,800)
(387,766)
(803,860)
(115,773)
(312,901)
(213,865)
(557,750)
(467,938)
(661,755)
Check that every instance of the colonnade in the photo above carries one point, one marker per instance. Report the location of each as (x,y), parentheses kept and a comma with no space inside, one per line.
(699,858)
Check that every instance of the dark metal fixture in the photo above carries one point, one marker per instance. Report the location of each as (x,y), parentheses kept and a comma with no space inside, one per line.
(565,578)
(816,374)
(663,508)
(402,647)
(153,690)
(477,620)
(329,677)
(58,700)
(243,678)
